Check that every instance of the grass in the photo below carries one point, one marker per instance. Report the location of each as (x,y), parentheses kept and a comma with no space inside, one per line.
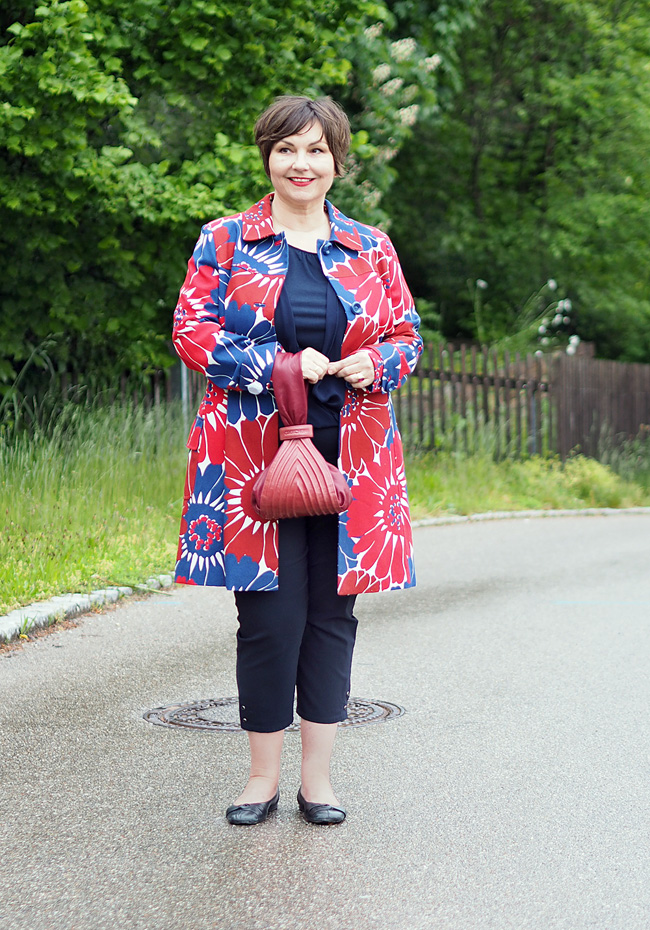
(94,498)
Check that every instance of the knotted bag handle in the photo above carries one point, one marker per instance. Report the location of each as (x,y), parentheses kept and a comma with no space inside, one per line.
(299,482)
(290,388)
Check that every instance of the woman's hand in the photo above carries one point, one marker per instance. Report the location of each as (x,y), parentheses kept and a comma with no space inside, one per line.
(358,369)
(314,365)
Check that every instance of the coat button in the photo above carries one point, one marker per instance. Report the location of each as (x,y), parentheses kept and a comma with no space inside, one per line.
(254,388)
(356,307)
(327,248)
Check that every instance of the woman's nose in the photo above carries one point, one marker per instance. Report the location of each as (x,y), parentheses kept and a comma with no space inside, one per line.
(300,160)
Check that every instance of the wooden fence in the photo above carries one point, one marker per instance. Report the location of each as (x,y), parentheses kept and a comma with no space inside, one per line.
(598,403)
(468,398)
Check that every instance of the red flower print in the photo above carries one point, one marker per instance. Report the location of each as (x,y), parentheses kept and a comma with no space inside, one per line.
(254,289)
(380,502)
(358,265)
(356,582)
(224,246)
(214,422)
(360,333)
(204,532)
(247,452)
(367,421)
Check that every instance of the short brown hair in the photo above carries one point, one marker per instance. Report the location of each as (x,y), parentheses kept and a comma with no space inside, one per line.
(289,115)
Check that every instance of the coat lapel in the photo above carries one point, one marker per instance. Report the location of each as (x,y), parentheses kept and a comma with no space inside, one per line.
(261,260)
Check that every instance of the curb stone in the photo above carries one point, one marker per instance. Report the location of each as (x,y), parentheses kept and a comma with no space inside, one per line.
(63,606)
(528,515)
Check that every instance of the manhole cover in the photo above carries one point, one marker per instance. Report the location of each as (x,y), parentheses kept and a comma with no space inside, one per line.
(222,714)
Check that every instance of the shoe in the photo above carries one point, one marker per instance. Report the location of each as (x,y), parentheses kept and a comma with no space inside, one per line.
(320,813)
(248,814)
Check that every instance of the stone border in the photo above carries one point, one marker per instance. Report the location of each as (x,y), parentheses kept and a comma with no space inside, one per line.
(529,514)
(63,606)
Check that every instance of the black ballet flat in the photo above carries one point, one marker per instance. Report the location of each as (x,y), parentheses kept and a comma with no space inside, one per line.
(320,813)
(244,815)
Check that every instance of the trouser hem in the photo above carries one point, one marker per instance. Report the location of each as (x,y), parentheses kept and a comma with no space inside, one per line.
(336,718)
(253,729)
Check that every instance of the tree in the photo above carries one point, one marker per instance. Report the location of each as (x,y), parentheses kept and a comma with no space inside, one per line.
(536,169)
(125,124)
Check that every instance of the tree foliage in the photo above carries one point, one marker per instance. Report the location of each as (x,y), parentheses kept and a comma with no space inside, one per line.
(536,169)
(125,124)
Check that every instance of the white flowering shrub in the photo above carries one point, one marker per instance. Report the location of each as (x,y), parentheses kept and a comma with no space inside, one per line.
(546,321)
(380,74)
(392,84)
(403,49)
(408,115)
(431,63)
(373,31)
(391,87)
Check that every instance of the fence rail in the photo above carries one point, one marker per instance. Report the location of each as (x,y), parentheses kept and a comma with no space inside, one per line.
(466,396)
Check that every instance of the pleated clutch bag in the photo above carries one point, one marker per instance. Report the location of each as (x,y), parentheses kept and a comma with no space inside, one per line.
(299,482)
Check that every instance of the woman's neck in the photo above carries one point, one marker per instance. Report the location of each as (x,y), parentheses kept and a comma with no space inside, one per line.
(302,228)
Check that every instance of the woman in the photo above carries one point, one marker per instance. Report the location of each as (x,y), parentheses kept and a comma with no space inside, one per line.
(293,274)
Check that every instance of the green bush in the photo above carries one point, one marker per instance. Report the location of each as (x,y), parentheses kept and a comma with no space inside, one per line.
(445,483)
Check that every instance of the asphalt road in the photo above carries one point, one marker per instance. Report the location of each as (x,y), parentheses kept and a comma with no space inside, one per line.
(513,793)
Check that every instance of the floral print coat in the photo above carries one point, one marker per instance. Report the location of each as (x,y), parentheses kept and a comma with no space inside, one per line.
(223,326)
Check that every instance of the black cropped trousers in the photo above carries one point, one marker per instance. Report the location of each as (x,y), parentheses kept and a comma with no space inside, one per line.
(301,637)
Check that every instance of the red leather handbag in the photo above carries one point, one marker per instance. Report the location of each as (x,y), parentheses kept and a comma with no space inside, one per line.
(298,482)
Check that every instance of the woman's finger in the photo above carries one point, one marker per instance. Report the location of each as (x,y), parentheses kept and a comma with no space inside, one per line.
(314,365)
(356,369)
(359,363)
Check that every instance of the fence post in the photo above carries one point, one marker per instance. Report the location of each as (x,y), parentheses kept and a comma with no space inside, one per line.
(463,395)
(185,398)
(443,411)
(497,405)
(420,384)
(561,405)
(518,386)
(474,364)
(506,400)
(432,404)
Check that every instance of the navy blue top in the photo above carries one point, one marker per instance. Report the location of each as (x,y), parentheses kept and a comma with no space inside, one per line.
(309,314)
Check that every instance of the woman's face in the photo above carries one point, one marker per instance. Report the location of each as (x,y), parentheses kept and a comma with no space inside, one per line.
(301,168)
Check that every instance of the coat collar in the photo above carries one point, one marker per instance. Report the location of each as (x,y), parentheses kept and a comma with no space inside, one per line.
(257,223)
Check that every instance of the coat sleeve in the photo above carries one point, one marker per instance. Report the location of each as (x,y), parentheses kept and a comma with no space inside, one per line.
(396,354)
(231,360)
